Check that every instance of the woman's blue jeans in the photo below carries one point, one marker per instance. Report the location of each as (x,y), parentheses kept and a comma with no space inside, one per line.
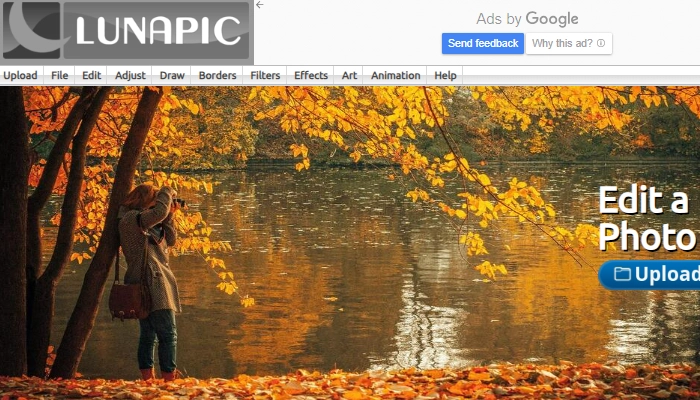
(159,328)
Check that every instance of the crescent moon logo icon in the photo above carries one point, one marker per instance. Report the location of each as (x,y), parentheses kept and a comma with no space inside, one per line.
(26,36)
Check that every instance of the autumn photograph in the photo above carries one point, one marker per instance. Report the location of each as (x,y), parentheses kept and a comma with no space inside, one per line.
(356,242)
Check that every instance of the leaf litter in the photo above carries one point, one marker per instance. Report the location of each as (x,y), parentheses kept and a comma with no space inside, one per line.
(508,381)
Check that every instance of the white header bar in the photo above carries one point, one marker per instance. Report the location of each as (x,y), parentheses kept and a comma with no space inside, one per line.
(388,42)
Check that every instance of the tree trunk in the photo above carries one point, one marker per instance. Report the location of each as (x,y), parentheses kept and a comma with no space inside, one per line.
(14,175)
(83,318)
(41,320)
(43,191)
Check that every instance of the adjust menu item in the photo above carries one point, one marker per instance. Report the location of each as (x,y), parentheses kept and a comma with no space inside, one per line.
(128,75)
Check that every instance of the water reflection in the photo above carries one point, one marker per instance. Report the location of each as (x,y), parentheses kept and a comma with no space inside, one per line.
(348,273)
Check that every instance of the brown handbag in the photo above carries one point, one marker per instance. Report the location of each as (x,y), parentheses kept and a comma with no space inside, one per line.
(131,301)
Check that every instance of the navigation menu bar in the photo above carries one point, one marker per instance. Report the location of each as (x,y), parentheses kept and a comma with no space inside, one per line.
(140,75)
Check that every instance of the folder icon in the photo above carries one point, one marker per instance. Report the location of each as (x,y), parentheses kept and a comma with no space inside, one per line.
(623,274)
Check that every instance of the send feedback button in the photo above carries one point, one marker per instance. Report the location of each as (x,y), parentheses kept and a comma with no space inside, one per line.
(483,43)
(650,275)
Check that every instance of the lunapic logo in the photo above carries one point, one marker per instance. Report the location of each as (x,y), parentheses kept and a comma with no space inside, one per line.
(128,30)
(32,30)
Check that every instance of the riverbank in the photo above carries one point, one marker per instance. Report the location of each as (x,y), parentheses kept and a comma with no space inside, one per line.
(569,381)
(256,164)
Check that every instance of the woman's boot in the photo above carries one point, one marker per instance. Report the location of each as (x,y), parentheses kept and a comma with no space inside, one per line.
(148,374)
(170,376)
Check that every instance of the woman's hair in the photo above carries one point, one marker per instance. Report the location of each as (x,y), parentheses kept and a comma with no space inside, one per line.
(140,197)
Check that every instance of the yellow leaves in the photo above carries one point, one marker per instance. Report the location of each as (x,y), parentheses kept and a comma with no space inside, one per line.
(355,394)
(563,381)
(586,234)
(225,275)
(515,184)
(303,151)
(437,181)
(304,164)
(473,244)
(651,99)
(80,257)
(464,165)
(293,388)
(325,134)
(192,226)
(417,194)
(484,180)
(552,104)
(355,155)
(634,93)
(227,287)
(208,187)
(561,234)
(434,373)
(344,125)
(538,143)
(480,207)
(488,269)
(382,116)
(550,210)
(171,101)
(453,212)
(218,263)
(253,93)
(166,140)
(337,139)
(448,166)
(47,110)
(450,163)
(475,375)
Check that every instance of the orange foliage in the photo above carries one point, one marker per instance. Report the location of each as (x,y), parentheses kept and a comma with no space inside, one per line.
(367,123)
(47,108)
(386,123)
(567,381)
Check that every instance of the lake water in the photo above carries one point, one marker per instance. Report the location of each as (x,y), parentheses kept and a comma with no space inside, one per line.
(348,273)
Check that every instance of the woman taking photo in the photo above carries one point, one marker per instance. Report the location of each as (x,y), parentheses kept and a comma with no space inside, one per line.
(145,231)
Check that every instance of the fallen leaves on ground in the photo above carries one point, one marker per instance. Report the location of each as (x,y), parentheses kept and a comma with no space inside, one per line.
(567,381)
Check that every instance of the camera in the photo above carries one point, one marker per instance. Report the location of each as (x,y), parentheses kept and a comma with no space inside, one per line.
(180,202)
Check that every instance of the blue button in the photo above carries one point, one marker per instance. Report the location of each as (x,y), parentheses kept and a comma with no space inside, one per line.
(483,43)
(650,274)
